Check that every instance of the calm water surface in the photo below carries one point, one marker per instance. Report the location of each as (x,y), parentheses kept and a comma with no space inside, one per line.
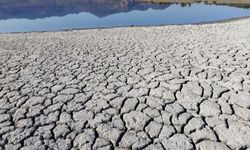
(49,15)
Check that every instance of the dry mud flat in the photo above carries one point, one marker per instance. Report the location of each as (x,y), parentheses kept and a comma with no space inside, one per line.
(172,87)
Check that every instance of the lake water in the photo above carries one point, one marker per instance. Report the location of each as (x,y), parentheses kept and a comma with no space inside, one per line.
(50,15)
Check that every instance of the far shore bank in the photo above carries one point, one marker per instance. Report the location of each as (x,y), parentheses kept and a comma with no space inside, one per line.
(224,2)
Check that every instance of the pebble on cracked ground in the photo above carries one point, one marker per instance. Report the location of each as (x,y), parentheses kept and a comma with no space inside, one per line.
(170,87)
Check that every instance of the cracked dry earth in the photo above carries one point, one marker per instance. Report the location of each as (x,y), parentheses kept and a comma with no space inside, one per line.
(173,87)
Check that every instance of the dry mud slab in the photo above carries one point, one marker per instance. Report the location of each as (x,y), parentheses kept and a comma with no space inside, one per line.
(171,87)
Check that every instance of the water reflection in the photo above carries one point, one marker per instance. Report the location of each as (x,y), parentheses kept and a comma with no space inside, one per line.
(32,9)
(45,8)
(47,15)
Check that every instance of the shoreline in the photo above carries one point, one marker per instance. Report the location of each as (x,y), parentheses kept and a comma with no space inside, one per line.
(132,26)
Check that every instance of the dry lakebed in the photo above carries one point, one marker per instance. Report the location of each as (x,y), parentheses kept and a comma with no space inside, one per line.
(174,87)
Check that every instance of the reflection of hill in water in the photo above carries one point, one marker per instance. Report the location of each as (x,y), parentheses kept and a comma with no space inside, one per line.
(32,9)
(45,8)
